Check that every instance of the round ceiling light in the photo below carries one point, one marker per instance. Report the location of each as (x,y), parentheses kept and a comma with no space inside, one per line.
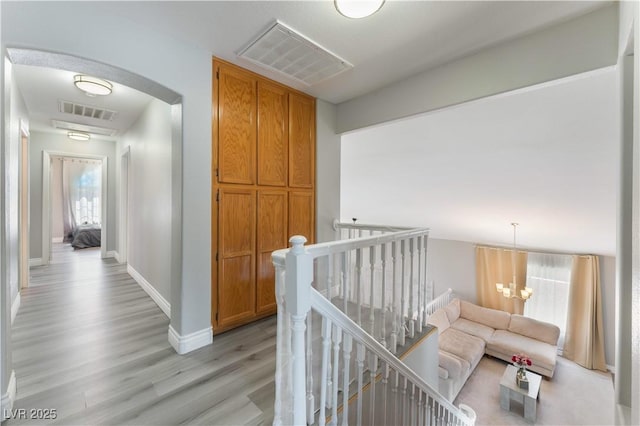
(358,8)
(93,85)
(79,136)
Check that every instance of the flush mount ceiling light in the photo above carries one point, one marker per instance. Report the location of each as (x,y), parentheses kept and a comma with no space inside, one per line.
(358,8)
(92,85)
(79,136)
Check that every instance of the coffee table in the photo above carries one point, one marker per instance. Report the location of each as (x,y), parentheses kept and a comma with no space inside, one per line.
(509,391)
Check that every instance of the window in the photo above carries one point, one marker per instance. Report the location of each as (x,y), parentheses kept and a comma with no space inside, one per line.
(549,276)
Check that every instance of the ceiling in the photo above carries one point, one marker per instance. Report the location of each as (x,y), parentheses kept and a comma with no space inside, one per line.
(400,40)
(546,157)
(43,88)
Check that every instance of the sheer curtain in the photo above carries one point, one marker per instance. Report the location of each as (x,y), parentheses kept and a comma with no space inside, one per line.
(81,193)
(549,276)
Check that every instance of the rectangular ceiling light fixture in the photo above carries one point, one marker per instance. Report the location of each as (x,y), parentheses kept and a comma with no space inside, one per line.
(284,50)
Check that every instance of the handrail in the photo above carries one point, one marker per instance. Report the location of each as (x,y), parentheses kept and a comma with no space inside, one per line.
(332,247)
(321,304)
(369,227)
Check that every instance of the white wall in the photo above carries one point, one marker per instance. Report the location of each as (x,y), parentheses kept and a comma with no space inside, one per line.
(149,139)
(57,225)
(12,149)
(41,141)
(608,290)
(327,171)
(452,264)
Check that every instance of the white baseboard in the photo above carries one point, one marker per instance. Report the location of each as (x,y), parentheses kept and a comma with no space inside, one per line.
(57,239)
(611,368)
(116,256)
(190,342)
(151,291)
(112,253)
(35,262)
(8,398)
(14,307)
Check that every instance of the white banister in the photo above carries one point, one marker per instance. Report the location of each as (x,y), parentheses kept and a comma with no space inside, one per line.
(357,380)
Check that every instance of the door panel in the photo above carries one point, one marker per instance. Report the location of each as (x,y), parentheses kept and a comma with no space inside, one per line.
(236,126)
(272,134)
(301,215)
(236,291)
(301,141)
(272,235)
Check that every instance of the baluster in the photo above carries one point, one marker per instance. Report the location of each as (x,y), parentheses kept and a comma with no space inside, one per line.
(326,359)
(394,307)
(373,368)
(282,347)
(345,283)
(420,419)
(360,363)
(411,288)
(421,301)
(404,400)
(412,405)
(346,355)
(359,285)
(428,289)
(403,300)
(385,392)
(337,339)
(396,402)
(383,259)
(310,398)
(372,265)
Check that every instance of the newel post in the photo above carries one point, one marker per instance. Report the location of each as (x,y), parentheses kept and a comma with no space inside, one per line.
(299,267)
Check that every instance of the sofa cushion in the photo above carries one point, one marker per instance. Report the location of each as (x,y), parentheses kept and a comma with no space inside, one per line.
(453,310)
(454,366)
(535,329)
(439,319)
(493,318)
(463,345)
(473,328)
(507,343)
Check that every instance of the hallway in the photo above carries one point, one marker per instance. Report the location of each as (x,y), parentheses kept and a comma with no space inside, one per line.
(90,344)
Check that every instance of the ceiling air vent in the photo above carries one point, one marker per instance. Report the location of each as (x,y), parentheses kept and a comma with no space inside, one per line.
(65,125)
(86,110)
(289,52)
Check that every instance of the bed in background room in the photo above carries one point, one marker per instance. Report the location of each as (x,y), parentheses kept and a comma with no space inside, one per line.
(85,236)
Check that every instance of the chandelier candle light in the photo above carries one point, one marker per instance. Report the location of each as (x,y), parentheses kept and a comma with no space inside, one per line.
(510,291)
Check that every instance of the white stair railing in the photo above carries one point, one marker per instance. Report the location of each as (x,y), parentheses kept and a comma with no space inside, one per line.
(355,379)
(377,275)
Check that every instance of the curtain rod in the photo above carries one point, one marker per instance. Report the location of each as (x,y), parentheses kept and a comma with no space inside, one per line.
(537,251)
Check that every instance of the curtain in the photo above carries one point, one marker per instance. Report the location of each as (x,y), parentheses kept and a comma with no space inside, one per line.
(81,193)
(549,276)
(584,340)
(494,265)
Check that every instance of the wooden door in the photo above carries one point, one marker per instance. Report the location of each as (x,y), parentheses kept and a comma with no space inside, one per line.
(236,125)
(272,134)
(302,132)
(236,251)
(272,235)
(302,215)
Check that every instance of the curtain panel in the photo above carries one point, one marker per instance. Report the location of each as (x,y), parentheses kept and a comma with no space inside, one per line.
(495,265)
(584,339)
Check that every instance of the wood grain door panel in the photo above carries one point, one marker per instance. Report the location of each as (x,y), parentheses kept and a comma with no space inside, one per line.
(302,215)
(301,141)
(236,126)
(272,134)
(272,235)
(236,251)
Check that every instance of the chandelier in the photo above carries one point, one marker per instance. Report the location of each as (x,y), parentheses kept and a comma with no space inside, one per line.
(509,291)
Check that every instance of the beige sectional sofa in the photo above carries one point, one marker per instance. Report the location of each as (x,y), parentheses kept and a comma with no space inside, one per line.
(468,331)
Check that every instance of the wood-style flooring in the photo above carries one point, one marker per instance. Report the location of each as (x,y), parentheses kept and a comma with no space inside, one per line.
(91,344)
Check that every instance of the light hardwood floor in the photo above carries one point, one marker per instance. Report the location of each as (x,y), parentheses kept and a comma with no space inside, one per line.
(91,344)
